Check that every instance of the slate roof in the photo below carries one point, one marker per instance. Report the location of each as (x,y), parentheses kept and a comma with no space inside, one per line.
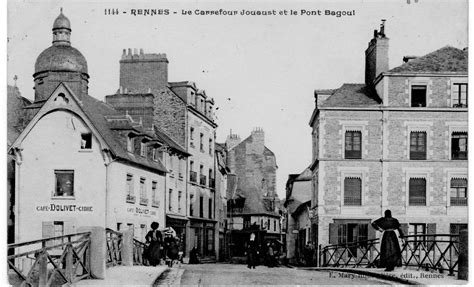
(169,141)
(97,111)
(446,59)
(352,95)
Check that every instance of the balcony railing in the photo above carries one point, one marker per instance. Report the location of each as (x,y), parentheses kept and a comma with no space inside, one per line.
(193,176)
(143,201)
(417,201)
(131,198)
(458,201)
(202,179)
(352,200)
(212,183)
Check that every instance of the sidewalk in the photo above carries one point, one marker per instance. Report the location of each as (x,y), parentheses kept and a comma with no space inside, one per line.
(126,275)
(400,275)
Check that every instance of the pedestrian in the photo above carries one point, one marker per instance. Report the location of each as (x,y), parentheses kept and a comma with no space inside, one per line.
(172,251)
(154,240)
(194,256)
(252,252)
(269,256)
(390,254)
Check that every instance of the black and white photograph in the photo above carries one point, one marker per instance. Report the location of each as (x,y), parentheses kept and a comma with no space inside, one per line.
(236,142)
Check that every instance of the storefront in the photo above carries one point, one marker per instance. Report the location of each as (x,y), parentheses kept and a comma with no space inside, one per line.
(178,223)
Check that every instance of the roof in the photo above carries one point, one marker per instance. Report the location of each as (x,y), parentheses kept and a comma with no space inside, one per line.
(169,141)
(446,59)
(97,111)
(350,95)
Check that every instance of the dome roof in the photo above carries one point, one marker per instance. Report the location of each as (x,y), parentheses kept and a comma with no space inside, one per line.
(62,22)
(61,58)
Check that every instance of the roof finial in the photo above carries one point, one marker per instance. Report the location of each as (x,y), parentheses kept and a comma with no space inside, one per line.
(61,10)
(15,78)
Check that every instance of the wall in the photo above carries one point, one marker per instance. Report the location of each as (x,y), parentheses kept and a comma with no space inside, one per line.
(170,115)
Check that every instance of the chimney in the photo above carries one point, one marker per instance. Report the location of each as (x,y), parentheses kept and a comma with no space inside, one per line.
(376,55)
(258,140)
(406,59)
(232,140)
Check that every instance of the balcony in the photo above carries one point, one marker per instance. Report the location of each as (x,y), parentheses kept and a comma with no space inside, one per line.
(131,198)
(143,201)
(212,183)
(193,176)
(417,201)
(155,203)
(202,179)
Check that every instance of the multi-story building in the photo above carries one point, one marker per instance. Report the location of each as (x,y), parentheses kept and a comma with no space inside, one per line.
(222,172)
(397,141)
(252,199)
(79,162)
(185,115)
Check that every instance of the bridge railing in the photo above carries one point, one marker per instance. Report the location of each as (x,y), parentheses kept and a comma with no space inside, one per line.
(429,251)
(138,250)
(114,242)
(50,261)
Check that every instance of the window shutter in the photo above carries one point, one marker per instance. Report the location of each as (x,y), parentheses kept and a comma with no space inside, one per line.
(332,233)
(48,231)
(371,232)
(404,228)
(430,229)
(69,228)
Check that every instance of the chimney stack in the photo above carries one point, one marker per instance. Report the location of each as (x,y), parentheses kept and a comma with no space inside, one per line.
(232,140)
(376,55)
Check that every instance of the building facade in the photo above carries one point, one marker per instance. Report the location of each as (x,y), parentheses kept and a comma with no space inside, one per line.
(397,141)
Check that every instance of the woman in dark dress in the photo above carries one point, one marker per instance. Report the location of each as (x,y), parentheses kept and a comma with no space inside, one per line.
(252,252)
(390,254)
(154,239)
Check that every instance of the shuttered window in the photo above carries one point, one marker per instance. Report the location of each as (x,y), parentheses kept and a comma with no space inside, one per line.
(418,145)
(353,145)
(352,191)
(417,191)
(458,191)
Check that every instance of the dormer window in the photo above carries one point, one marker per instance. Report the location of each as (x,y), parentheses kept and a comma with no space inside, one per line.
(143,149)
(154,154)
(86,141)
(418,96)
(130,144)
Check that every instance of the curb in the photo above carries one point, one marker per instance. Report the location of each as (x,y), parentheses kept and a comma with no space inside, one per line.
(366,273)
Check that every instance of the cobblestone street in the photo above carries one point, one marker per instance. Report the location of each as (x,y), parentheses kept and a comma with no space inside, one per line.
(230,274)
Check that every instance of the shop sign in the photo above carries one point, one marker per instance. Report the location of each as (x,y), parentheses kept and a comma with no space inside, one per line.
(141,211)
(64,207)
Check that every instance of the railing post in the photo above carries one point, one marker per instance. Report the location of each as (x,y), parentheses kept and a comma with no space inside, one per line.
(127,248)
(43,268)
(69,263)
(98,250)
(463,266)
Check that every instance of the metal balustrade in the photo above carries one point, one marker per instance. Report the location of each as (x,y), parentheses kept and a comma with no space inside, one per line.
(428,251)
(50,261)
(138,249)
(114,244)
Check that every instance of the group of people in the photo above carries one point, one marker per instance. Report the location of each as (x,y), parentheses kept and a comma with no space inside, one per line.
(271,254)
(159,248)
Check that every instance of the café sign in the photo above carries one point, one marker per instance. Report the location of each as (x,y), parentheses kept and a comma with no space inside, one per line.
(64,208)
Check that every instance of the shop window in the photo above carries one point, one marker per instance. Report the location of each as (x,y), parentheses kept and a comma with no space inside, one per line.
(418,145)
(352,232)
(459,145)
(352,191)
(353,145)
(418,96)
(64,183)
(459,95)
(86,141)
(458,192)
(417,192)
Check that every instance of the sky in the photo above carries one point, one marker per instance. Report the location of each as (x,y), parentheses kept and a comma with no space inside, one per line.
(261,70)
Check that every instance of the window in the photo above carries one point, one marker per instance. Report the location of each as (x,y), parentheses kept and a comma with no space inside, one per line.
(455,228)
(154,201)
(170,207)
(191,133)
(268,224)
(274,225)
(246,222)
(119,226)
(417,192)
(459,145)
(210,208)
(201,206)
(179,200)
(201,142)
(210,147)
(211,179)
(352,191)
(192,173)
(53,229)
(458,192)
(353,144)
(64,183)
(417,229)
(418,96)
(143,198)
(417,145)
(130,144)
(86,141)
(191,205)
(143,149)
(459,95)
(350,233)
(130,196)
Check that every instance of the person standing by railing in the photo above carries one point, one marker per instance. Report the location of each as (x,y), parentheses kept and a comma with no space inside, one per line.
(390,254)
(154,239)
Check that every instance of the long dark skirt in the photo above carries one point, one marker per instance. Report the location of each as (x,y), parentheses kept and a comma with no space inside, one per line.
(251,258)
(390,254)
(153,254)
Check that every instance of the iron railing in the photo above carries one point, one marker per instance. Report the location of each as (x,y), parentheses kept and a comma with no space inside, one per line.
(50,261)
(138,250)
(429,251)
(114,247)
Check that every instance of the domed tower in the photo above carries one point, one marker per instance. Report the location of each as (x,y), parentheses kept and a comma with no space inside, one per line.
(60,63)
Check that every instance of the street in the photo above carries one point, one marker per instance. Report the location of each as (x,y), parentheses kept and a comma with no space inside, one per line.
(233,274)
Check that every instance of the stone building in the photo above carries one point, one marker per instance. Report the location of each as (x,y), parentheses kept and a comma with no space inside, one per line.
(79,162)
(252,198)
(185,115)
(397,141)
(298,220)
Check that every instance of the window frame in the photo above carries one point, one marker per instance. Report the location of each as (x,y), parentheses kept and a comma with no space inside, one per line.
(417,86)
(417,155)
(452,145)
(89,140)
(360,190)
(63,171)
(464,201)
(352,153)
(426,190)
(458,96)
